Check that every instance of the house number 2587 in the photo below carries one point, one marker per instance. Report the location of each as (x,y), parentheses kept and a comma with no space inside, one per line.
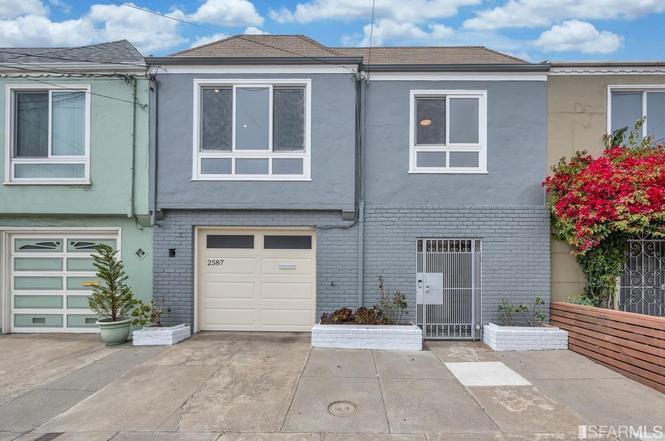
(215,262)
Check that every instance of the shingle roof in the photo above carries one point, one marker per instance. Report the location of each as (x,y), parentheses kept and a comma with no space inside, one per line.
(429,55)
(240,46)
(260,46)
(117,52)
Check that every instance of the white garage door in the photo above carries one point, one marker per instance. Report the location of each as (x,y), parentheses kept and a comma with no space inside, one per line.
(256,280)
(46,284)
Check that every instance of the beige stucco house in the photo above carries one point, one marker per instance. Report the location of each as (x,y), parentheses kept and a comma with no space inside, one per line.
(585,101)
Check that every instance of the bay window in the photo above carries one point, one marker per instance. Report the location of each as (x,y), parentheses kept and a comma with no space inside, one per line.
(251,130)
(448,131)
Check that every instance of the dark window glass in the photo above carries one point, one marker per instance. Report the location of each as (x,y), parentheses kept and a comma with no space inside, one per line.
(430,121)
(217,111)
(287,242)
(229,241)
(288,119)
(31,124)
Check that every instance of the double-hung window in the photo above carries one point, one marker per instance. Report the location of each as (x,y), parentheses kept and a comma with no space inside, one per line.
(252,130)
(448,131)
(48,134)
(628,104)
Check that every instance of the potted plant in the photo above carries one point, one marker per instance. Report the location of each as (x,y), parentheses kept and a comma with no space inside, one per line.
(112,300)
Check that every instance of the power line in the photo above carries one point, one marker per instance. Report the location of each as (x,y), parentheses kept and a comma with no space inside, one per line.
(21,54)
(241,37)
(371,35)
(60,86)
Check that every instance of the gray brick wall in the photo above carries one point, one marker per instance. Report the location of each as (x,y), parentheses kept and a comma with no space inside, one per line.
(336,254)
(515,251)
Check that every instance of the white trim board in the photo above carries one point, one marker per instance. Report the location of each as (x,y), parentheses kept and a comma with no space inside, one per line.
(243,69)
(457,76)
(607,70)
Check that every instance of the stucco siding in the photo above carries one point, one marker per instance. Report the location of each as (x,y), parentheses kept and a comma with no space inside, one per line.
(516,137)
(332,148)
(110,155)
(577,120)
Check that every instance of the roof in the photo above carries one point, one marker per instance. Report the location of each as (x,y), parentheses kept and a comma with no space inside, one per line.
(118,52)
(290,46)
(430,55)
(260,46)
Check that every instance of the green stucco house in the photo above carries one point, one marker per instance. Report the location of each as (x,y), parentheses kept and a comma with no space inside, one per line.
(74,164)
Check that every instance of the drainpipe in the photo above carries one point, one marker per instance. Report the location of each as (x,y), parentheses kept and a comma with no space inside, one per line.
(132,168)
(154,84)
(360,140)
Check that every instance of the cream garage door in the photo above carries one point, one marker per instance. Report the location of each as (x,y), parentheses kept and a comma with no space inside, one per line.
(256,280)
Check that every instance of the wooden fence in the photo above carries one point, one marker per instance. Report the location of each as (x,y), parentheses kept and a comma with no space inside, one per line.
(631,344)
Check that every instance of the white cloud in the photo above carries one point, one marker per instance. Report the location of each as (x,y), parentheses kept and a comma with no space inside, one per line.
(228,13)
(578,36)
(386,30)
(543,13)
(148,32)
(251,30)
(209,39)
(16,8)
(348,10)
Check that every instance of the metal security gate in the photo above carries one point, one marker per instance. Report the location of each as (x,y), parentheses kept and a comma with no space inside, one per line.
(642,286)
(448,288)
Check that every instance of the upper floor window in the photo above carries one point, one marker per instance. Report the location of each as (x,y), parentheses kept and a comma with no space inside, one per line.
(252,129)
(48,129)
(627,104)
(448,131)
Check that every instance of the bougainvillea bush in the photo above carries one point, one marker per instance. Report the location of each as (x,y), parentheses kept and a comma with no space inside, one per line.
(599,203)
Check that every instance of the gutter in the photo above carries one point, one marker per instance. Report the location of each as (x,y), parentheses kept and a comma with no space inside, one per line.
(166,61)
(475,68)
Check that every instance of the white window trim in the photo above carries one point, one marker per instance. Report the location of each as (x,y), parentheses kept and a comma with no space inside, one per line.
(644,88)
(480,147)
(306,155)
(9,178)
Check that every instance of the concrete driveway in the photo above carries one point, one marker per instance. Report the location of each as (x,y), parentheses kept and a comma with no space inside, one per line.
(273,387)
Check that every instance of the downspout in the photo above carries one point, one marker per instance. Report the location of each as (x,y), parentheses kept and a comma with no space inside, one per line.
(154,149)
(360,139)
(130,209)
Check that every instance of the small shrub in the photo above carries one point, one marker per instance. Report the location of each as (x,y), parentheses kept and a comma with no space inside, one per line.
(507,312)
(393,306)
(368,316)
(341,315)
(148,314)
(111,298)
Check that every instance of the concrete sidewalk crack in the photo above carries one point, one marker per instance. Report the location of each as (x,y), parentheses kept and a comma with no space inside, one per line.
(295,391)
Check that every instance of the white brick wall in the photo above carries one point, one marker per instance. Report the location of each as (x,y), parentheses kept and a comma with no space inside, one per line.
(393,338)
(520,338)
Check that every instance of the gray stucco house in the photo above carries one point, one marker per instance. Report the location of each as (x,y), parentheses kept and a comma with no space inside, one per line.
(289,177)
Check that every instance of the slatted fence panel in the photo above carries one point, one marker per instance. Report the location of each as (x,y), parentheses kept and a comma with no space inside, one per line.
(631,344)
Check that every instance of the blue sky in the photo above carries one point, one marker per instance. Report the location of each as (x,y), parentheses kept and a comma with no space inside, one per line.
(533,29)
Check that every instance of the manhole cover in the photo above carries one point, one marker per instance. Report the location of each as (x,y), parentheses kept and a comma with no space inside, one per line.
(342,408)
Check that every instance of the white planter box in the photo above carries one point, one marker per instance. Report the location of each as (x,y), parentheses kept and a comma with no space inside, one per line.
(163,336)
(524,338)
(387,337)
